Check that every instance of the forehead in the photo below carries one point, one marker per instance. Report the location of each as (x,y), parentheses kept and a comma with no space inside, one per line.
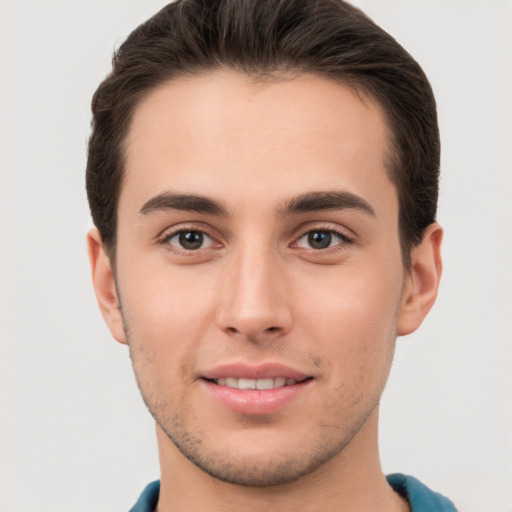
(223,134)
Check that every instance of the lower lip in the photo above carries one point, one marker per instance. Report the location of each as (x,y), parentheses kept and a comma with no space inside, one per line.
(255,401)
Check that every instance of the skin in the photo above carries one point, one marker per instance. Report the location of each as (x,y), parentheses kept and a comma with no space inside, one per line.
(258,291)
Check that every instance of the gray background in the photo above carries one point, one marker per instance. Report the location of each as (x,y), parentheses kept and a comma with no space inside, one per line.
(74,432)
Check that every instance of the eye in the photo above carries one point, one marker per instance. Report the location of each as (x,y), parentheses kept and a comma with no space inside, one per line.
(189,240)
(321,239)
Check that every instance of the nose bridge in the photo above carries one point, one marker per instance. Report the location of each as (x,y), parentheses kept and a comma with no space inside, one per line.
(255,298)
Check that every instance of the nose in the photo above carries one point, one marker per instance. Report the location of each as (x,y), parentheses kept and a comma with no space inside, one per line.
(254,302)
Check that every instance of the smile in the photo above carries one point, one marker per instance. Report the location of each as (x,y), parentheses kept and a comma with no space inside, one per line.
(260,384)
(256,396)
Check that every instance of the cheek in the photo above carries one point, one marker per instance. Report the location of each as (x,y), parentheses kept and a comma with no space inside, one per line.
(354,317)
(158,296)
(167,314)
(355,341)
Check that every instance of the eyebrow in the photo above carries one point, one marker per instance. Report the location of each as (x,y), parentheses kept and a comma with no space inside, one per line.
(332,200)
(309,202)
(183,202)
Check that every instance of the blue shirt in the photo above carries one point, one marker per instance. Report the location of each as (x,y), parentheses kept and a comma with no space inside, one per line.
(420,497)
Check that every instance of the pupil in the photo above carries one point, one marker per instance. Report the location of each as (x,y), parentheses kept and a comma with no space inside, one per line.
(191,239)
(319,239)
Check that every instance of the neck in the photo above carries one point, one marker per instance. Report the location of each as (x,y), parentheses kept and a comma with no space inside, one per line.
(351,481)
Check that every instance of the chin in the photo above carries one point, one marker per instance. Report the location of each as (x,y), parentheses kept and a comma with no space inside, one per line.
(255,461)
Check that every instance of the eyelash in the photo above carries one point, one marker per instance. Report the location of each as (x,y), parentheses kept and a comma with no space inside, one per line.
(345,239)
(167,237)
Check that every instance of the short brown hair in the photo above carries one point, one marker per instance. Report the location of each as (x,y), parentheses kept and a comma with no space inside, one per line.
(329,38)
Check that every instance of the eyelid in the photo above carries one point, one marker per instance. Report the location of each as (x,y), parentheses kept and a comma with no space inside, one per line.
(346,234)
(206,237)
(342,239)
(169,232)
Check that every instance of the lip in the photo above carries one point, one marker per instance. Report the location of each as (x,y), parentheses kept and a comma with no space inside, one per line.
(248,371)
(253,401)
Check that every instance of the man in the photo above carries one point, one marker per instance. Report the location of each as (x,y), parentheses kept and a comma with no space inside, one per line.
(263,176)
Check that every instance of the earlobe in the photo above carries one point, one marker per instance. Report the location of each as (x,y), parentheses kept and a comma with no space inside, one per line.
(105,286)
(422,281)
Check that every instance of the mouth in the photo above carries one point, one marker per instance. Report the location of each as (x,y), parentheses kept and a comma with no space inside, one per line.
(255,390)
(257,384)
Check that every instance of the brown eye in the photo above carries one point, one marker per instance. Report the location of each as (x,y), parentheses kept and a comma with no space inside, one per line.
(321,239)
(190,240)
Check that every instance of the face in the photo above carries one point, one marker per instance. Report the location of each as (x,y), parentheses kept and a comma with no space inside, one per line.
(259,271)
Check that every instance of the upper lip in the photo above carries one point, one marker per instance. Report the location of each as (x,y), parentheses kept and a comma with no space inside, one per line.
(254,371)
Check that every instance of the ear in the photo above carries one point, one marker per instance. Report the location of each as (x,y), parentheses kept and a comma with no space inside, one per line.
(422,282)
(105,286)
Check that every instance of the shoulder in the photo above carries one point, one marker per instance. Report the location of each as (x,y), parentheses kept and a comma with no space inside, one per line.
(148,499)
(419,496)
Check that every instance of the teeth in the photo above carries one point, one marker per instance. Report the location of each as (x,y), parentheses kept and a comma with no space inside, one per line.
(231,383)
(277,382)
(246,384)
(264,383)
